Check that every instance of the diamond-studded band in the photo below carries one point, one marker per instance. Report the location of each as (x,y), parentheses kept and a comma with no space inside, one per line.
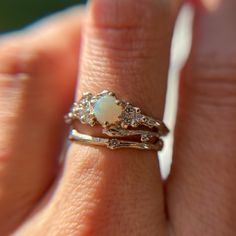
(114,143)
(119,119)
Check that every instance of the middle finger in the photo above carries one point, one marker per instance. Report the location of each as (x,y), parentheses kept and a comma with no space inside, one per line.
(202,183)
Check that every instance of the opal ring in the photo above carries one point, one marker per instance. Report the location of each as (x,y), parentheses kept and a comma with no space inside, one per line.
(124,125)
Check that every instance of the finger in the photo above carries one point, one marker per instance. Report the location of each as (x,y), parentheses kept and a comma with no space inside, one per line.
(37,71)
(201,187)
(126,50)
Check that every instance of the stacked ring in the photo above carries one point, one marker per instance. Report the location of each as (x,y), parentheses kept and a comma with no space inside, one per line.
(123,124)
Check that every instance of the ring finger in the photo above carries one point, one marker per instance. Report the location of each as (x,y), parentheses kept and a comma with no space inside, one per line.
(126,50)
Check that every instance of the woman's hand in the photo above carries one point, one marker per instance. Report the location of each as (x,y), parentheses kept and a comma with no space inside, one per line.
(124,46)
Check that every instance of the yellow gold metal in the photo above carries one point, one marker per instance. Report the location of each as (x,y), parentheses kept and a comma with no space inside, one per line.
(130,123)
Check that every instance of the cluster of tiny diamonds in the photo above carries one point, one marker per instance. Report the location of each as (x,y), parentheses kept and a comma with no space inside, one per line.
(82,111)
(113,143)
(131,116)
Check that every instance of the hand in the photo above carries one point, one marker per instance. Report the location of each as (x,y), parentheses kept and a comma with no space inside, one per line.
(124,46)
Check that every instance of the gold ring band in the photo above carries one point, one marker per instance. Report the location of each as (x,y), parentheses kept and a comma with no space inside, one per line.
(113,143)
(119,119)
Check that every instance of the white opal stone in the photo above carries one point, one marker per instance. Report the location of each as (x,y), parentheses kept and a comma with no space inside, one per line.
(106,110)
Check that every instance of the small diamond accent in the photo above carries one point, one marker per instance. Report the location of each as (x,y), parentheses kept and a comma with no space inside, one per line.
(82,111)
(145,138)
(131,116)
(113,143)
(85,110)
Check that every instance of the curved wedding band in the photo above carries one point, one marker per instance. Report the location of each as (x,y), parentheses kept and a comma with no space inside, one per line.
(119,120)
(113,143)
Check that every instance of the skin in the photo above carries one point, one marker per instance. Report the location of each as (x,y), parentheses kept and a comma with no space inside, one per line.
(95,191)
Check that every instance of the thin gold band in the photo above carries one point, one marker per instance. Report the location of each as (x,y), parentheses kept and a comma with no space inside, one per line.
(113,143)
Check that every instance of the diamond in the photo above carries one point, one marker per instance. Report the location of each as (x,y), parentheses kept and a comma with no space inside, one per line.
(84,110)
(129,109)
(145,138)
(130,116)
(113,143)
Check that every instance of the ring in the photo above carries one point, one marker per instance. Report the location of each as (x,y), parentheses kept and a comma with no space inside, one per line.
(119,119)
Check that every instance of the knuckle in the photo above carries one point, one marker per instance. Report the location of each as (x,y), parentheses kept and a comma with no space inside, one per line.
(211,81)
(122,41)
(17,56)
(126,28)
(126,52)
(123,45)
(125,13)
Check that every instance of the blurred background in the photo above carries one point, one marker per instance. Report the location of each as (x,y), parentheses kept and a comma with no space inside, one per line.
(15,14)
